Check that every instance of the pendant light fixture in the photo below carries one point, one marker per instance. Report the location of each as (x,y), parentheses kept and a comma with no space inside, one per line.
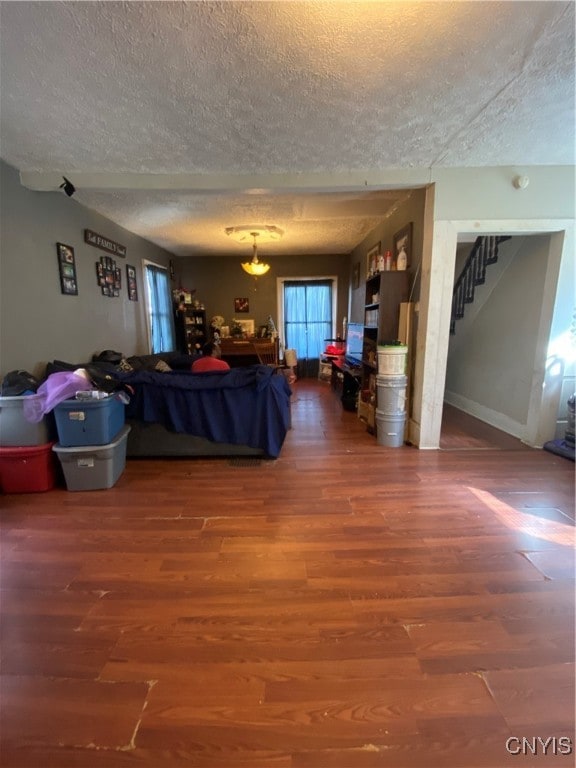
(255,267)
(266,233)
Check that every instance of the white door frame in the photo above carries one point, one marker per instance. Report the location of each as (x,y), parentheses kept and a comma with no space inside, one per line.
(307,279)
(438,263)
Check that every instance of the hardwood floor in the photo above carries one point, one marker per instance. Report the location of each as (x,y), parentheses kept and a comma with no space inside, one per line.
(461,431)
(346,606)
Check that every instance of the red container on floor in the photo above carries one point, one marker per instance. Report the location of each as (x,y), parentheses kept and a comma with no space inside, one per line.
(27,470)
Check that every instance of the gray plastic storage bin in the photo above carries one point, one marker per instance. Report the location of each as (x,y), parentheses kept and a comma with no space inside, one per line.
(15,430)
(93,467)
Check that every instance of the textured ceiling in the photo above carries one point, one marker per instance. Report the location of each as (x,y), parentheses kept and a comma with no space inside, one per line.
(140,103)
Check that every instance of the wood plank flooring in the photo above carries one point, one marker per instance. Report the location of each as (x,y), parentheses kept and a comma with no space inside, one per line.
(460,431)
(345,606)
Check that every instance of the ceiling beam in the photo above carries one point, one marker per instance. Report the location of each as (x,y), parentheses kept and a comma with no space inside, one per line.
(353,181)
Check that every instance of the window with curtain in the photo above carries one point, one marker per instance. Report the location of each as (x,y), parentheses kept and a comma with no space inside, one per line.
(307,321)
(162,337)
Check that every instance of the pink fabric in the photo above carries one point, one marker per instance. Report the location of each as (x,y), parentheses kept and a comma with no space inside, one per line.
(59,386)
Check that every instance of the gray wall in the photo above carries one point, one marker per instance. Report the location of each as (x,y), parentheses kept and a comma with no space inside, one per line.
(492,355)
(218,281)
(37,322)
(410,211)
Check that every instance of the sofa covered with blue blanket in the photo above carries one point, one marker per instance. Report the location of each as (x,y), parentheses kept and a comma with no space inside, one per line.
(244,411)
(173,412)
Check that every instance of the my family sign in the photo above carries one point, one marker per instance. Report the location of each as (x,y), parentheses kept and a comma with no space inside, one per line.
(92,238)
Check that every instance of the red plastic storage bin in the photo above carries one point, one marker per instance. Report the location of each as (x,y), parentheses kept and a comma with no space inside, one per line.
(27,469)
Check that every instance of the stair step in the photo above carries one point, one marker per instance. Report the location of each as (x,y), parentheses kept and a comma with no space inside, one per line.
(484,253)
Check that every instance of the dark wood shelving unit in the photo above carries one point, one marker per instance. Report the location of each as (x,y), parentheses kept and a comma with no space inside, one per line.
(385,291)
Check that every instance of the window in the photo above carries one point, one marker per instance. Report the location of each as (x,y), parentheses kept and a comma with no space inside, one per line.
(159,305)
(307,319)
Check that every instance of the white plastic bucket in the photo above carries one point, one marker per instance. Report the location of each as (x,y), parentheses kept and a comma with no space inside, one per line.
(391,394)
(392,359)
(390,429)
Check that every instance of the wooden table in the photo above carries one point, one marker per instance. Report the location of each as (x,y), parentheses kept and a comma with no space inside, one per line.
(238,352)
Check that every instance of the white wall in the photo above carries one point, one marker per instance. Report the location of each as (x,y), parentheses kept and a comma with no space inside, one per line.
(492,205)
(489,193)
(37,322)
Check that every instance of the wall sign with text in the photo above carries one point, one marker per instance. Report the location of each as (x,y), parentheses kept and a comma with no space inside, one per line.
(104,243)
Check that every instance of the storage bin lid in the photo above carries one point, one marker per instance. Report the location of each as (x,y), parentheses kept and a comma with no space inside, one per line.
(21,452)
(87,405)
(399,349)
(94,448)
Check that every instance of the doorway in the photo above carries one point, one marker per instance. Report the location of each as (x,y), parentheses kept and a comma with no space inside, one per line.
(307,311)
(434,322)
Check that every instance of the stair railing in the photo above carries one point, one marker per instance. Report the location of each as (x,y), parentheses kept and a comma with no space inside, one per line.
(484,252)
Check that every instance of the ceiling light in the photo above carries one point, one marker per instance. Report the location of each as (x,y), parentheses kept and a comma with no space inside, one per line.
(255,267)
(244,234)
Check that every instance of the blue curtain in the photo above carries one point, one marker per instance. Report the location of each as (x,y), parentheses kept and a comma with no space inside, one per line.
(307,320)
(161,321)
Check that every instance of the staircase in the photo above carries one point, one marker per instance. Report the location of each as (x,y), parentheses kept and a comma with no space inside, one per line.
(484,252)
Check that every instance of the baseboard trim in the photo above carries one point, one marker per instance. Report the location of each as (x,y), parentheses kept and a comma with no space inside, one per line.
(487,415)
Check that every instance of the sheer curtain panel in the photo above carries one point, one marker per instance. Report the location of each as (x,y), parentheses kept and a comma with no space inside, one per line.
(307,321)
(162,336)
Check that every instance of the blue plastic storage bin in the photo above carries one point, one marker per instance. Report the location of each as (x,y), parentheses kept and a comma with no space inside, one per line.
(89,422)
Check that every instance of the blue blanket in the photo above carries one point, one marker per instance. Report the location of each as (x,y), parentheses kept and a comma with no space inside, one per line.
(244,406)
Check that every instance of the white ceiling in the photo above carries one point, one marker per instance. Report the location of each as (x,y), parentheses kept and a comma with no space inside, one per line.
(179,119)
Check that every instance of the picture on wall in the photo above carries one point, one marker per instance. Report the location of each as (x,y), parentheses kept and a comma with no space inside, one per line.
(108,276)
(241,305)
(100,277)
(131,283)
(67,269)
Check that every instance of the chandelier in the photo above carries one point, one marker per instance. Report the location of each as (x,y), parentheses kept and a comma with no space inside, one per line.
(266,234)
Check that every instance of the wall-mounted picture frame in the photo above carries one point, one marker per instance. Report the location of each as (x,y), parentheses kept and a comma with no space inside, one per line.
(247,326)
(108,276)
(241,305)
(131,283)
(67,269)
(100,277)
(403,247)
(372,260)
